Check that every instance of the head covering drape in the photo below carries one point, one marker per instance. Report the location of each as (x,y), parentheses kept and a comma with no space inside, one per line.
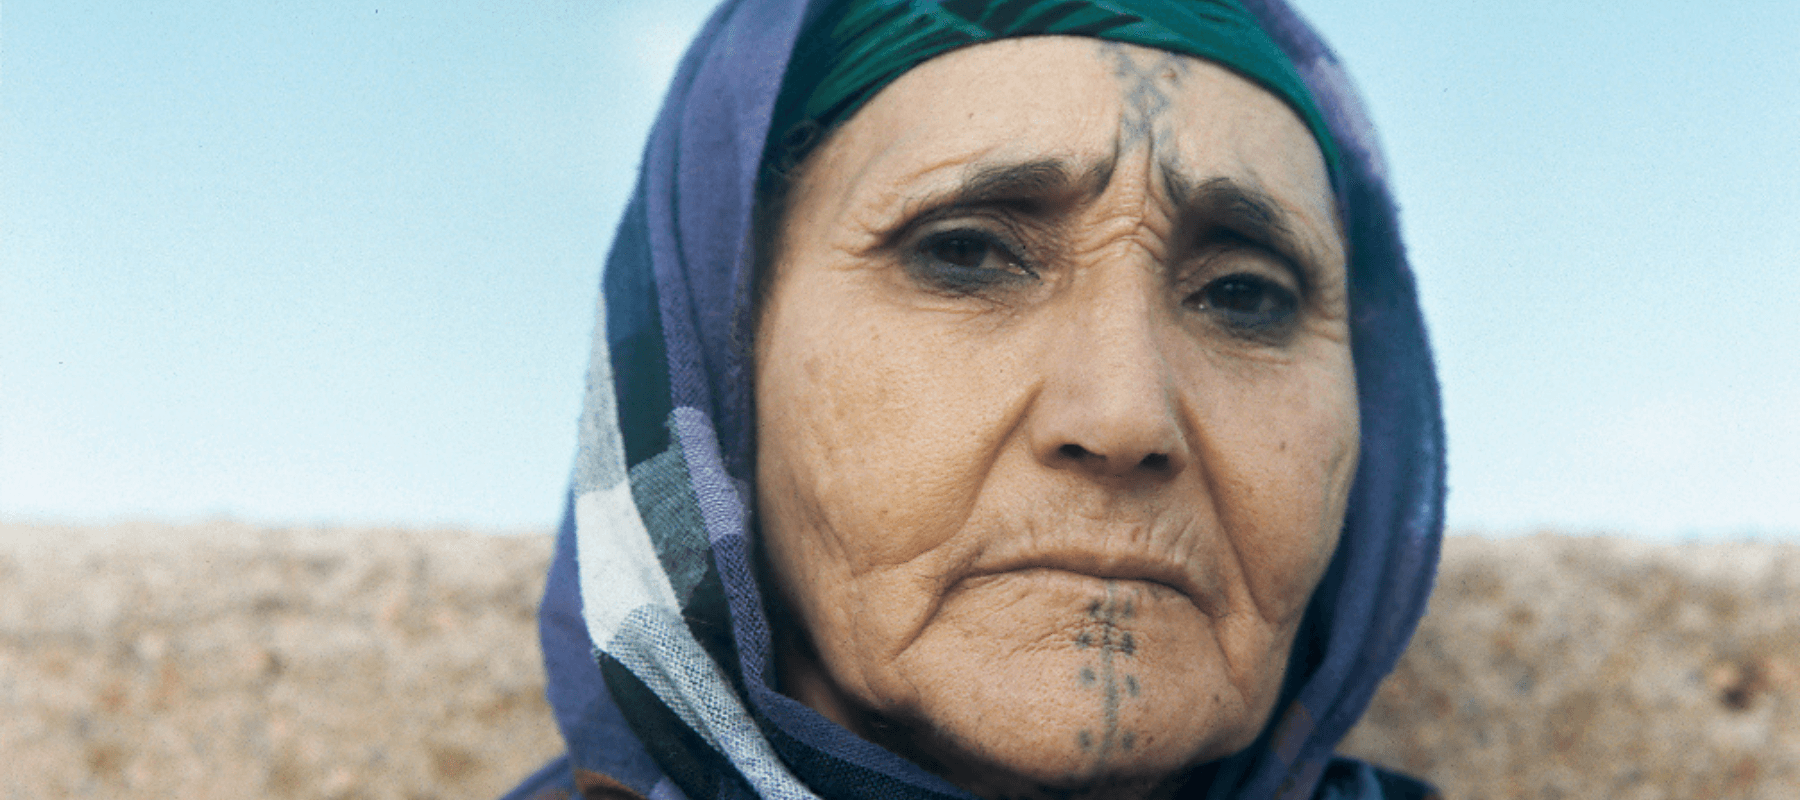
(656,643)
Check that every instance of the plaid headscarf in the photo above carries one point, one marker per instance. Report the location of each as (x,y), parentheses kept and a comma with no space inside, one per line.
(655,636)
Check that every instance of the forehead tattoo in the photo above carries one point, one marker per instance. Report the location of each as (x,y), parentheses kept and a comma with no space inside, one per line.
(1147,80)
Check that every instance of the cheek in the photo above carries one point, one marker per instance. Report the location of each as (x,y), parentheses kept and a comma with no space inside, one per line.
(1282,458)
(874,439)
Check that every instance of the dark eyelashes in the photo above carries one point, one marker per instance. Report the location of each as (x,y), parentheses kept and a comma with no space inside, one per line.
(1245,288)
(1248,301)
(1230,240)
(1245,301)
(966,260)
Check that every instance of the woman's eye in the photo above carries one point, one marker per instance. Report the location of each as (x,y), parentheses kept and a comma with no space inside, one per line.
(1249,303)
(966,262)
(962,251)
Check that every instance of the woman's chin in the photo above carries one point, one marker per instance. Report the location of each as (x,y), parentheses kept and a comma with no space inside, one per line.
(1110,687)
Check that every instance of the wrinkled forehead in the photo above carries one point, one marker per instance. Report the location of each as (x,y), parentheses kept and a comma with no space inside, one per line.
(1100,113)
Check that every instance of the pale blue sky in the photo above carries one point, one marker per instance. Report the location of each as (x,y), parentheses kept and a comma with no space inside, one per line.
(322,262)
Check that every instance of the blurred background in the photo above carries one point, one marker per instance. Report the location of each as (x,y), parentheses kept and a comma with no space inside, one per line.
(335,263)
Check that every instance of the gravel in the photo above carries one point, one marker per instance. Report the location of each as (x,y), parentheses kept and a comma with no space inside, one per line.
(223,660)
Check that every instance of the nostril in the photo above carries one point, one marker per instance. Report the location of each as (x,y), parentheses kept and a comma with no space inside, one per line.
(1151,462)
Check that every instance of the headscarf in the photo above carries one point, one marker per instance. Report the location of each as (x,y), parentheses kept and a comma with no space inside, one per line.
(657,646)
(854,49)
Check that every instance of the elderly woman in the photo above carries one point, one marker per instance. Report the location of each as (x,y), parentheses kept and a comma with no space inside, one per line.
(996,398)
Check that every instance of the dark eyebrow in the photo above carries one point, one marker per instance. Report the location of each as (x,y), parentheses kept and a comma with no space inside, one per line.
(1026,182)
(1219,203)
(1244,209)
(1031,180)
(1027,186)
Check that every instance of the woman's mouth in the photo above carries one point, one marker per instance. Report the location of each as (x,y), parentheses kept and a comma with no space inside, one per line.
(1159,576)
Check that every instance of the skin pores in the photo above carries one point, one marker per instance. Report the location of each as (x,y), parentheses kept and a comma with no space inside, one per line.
(1056,415)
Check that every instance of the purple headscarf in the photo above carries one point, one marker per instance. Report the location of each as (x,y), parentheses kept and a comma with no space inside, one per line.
(654,631)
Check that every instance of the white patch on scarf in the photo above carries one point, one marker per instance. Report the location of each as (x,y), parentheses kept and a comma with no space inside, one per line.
(617,561)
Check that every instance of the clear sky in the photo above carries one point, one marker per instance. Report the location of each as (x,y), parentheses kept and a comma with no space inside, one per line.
(303,262)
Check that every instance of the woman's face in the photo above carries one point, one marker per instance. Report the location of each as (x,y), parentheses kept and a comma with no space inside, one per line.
(1056,414)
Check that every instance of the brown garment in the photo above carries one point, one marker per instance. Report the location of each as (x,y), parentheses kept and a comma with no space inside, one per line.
(594,786)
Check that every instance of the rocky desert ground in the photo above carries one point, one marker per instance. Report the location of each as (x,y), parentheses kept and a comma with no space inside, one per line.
(227,661)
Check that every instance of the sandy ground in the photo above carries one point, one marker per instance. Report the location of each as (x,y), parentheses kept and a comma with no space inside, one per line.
(226,661)
(1553,667)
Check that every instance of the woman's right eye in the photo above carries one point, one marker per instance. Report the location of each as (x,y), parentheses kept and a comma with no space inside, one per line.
(966,261)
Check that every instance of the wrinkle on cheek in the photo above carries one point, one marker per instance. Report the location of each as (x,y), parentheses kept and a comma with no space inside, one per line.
(1256,657)
(1338,476)
(1330,325)
(864,495)
(1281,454)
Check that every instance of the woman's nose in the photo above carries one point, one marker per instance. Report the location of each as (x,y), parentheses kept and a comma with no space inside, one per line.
(1109,406)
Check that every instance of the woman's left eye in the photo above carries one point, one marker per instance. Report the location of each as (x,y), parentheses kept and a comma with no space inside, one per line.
(966,261)
(1248,303)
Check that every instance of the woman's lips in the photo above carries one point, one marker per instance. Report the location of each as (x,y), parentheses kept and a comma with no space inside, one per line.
(1182,578)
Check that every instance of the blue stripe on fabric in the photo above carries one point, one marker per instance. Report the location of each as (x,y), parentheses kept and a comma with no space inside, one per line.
(657,647)
(634,334)
(720,497)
